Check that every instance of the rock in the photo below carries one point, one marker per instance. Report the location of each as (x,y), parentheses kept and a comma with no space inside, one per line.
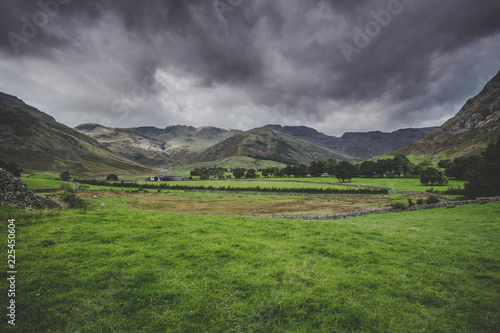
(15,192)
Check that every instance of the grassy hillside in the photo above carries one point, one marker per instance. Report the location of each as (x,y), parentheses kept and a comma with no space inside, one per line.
(34,140)
(116,268)
(266,144)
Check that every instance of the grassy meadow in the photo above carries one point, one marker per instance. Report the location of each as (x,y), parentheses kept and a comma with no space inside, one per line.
(43,181)
(399,184)
(127,267)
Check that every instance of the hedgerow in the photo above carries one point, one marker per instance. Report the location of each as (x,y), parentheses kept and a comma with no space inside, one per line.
(302,190)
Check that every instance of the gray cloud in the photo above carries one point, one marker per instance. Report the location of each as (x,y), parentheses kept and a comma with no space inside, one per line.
(246,63)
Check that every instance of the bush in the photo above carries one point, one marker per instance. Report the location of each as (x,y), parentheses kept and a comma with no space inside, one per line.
(73,201)
(65,176)
(399,206)
(431,200)
(66,188)
(112,177)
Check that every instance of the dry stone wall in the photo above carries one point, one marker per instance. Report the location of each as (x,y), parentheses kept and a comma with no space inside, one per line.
(387,210)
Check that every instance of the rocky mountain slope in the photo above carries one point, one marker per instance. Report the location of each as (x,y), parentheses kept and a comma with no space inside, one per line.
(469,131)
(157,147)
(33,139)
(358,145)
(267,144)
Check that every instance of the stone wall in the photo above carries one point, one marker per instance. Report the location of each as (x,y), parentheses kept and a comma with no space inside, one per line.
(386,210)
(15,192)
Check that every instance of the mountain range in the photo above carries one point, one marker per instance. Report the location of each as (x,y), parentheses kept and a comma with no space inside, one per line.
(176,145)
(35,140)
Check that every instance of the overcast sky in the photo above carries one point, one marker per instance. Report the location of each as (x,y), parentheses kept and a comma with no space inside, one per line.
(334,65)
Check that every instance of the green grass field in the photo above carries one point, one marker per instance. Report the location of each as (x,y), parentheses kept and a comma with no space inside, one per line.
(116,268)
(399,184)
(42,180)
(262,183)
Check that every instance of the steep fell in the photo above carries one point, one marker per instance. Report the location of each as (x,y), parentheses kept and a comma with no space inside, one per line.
(35,140)
(469,131)
(265,143)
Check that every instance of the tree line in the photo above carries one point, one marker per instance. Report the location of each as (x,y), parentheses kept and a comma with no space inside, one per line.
(399,166)
(178,187)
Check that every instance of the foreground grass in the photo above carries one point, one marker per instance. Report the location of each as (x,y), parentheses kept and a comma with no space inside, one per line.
(117,268)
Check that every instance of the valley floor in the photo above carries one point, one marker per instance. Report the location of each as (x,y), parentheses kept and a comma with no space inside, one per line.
(136,264)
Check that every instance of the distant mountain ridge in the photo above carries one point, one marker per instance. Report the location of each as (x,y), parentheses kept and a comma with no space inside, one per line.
(156,147)
(469,131)
(358,145)
(267,144)
(177,145)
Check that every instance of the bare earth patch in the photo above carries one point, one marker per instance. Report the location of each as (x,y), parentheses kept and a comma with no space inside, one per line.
(246,205)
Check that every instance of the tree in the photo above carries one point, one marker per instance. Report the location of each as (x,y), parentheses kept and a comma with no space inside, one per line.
(345,171)
(432,175)
(266,172)
(289,170)
(368,168)
(401,165)
(112,177)
(446,163)
(301,171)
(329,166)
(217,172)
(316,168)
(251,173)
(383,166)
(65,175)
(239,173)
(460,166)
(484,179)
(417,171)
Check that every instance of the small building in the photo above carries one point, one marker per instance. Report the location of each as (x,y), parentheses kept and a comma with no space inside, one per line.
(165,178)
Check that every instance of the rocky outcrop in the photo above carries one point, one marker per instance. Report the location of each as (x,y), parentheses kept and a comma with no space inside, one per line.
(469,131)
(15,192)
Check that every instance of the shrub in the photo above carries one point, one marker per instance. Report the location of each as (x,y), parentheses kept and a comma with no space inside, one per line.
(65,176)
(66,187)
(399,206)
(431,200)
(112,177)
(73,201)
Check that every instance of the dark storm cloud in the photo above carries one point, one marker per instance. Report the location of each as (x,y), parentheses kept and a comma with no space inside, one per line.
(334,65)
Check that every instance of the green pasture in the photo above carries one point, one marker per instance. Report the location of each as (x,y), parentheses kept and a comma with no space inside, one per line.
(40,180)
(115,268)
(44,183)
(262,183)
(399,184)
